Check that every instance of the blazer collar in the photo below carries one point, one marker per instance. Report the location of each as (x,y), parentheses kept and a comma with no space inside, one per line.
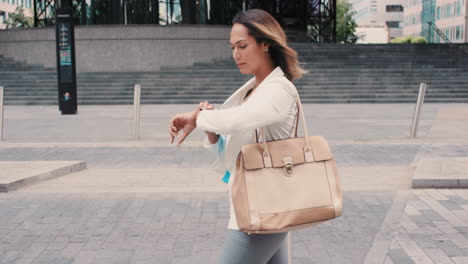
(238,96)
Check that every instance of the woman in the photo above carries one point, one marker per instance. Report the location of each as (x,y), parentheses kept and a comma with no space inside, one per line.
(259,47)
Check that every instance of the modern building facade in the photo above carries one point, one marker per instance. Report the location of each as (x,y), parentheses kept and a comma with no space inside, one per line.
(449,16)
(8,7)
(313,20)
(378,12)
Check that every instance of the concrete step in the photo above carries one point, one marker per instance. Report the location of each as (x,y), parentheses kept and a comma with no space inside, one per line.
(337,73)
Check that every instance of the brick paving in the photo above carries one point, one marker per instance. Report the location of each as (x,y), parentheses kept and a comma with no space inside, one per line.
(147,202)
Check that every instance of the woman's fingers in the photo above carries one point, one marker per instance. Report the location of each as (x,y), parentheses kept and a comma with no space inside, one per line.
(187,131)
(172,124)
(204,104)
(180,122)
(173,131)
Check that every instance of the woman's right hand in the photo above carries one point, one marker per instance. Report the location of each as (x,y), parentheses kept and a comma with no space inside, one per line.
(206,106)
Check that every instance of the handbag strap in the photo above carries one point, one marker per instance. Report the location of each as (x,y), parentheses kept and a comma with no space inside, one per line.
(296,126)
(307,149)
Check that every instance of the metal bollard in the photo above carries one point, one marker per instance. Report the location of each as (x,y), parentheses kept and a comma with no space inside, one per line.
(289,248)
(1,113)
(417,110)
(136,111)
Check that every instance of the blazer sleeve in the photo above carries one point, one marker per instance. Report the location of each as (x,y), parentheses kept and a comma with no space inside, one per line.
(267,107)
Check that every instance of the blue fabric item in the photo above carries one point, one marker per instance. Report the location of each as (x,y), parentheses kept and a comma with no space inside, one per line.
(221,145)
(227,174)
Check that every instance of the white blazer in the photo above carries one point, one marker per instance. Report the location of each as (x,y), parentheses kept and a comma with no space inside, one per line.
(271,106)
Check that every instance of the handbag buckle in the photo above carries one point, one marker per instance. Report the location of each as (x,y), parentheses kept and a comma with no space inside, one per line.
(288,168)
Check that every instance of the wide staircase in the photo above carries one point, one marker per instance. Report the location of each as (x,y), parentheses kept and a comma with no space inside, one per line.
(336,74)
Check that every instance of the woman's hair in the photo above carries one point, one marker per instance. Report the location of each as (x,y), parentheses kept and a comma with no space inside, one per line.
(264,28)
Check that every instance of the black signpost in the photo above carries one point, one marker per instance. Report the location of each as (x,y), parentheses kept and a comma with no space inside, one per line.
(66,64)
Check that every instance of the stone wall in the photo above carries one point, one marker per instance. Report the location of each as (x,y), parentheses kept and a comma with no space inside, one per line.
(121,47)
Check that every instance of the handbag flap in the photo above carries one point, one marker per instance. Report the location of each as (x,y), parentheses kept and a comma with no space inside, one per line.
(290,147)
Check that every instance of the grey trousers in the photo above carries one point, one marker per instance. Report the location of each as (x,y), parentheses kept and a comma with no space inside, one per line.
(240,247)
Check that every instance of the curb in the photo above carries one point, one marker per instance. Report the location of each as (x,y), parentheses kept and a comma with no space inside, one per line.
(75,167)
(440,183)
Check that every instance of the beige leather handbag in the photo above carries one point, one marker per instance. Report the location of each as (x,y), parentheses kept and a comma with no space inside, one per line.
(286,184)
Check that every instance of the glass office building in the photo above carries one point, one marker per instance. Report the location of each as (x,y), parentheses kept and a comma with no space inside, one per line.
(305,19)
(449,16)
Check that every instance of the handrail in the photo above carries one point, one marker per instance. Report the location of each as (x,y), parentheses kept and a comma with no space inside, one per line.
(444,37)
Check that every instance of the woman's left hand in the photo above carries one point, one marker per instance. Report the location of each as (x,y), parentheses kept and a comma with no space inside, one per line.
(183,121)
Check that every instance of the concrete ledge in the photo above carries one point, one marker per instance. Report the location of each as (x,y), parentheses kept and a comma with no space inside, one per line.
(441,173)
(139,47)
(17,174)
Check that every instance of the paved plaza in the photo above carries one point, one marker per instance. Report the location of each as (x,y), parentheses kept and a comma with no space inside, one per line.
(146,201)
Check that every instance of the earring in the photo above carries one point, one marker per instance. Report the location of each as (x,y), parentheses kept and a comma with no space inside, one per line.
(266,49)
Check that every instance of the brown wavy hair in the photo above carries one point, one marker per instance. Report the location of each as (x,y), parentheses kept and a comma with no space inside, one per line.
(265,29)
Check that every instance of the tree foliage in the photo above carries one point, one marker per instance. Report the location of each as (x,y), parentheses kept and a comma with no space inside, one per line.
(409,39)
(19,19)
(345,24)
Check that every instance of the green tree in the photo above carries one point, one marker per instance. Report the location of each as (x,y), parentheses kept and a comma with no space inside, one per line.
(409,39)
(345,24)
(19,20)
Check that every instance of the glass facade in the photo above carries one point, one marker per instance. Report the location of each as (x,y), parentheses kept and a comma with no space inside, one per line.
(313,20)
(428,15)
(163,12)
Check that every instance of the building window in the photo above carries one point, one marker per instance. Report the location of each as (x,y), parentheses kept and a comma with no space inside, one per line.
(394,8)
(447,10)
(459,8)
(438,13)
(447,33)
(458,34)
(393,24)
(373,10)
(2,17)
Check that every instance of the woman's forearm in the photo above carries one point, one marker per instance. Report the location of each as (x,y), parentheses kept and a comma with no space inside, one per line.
(212,137)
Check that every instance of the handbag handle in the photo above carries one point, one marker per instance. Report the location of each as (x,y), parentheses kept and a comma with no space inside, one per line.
(309,157)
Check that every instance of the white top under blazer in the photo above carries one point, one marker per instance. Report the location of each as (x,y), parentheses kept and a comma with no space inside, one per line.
(271,106)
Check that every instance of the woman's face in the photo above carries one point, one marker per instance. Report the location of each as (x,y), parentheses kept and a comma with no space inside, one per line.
(246,52)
